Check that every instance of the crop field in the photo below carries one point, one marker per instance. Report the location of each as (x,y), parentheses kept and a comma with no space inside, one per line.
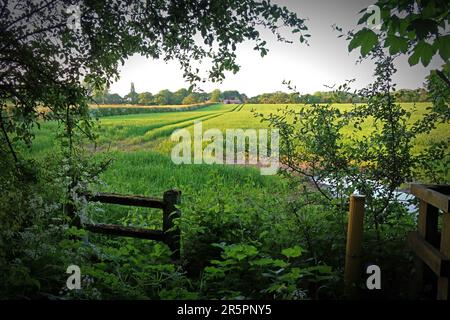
(135,139)
(145,132)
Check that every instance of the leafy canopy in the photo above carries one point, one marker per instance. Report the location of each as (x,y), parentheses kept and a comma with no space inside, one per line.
(418,28)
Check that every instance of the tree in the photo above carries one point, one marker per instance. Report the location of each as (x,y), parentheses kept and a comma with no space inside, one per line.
(146,98)
(179,95)
(192,98)
(114,98)
(215,95)
(164,97)
(99,95)
(417,29)
(230,94)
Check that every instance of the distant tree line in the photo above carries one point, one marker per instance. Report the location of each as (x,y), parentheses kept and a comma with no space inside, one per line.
(402,95)
(165,97)
(184,96)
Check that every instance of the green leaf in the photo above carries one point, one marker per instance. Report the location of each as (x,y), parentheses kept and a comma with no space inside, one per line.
(240,251)
(366,39)
(293,252)
(396,44)
(443,45)
(423,27)
(422,51)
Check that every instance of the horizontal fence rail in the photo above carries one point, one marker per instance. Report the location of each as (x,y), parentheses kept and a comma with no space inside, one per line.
(127,200)
(170,234)
(118,230)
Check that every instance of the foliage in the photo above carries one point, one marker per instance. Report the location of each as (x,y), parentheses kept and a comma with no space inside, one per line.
(215,95)
(314,144)
(416,28)
(164,97)
(183,96)
(316,97)
(244,236)
(146,98)
(245,272)
(191,99)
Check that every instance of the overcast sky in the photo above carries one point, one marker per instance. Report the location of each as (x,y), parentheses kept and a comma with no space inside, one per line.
(325,61)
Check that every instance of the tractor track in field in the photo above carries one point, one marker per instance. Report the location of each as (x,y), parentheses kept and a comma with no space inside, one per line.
(165,124)
(162,125)
(241,106)
(162,131)
(166,132)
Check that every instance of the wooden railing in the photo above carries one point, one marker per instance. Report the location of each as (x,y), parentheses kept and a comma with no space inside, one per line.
(170,234)
(431,246)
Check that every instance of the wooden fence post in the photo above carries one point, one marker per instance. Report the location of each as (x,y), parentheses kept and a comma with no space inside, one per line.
(170,212)
(352,271)
(443,282)
(428,229)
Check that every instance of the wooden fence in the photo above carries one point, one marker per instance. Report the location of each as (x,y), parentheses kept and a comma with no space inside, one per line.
(170,234)
(431,246)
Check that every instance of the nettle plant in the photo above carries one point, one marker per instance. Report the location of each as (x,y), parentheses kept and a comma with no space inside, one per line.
(326,143)
(252,274)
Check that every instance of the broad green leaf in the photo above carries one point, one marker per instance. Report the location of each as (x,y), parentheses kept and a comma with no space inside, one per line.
(366,39)
(423,27)
(396,44)
(422,51)
(443,45)
(293,252)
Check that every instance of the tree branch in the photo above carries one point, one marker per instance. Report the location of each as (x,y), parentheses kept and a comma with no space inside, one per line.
(29,14)
(443,77)
(8,142)
(40,31)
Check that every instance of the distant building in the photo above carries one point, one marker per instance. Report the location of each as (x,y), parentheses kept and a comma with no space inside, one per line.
(233,100)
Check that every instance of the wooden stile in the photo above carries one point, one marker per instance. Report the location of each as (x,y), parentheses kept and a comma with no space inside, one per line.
(432,249)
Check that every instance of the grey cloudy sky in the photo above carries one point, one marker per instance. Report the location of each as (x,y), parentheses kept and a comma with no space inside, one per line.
(326,61)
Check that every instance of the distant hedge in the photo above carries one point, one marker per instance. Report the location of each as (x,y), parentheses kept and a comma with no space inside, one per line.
(120,111)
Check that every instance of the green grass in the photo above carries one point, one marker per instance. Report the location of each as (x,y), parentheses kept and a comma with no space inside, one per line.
(137,139)
(150,173)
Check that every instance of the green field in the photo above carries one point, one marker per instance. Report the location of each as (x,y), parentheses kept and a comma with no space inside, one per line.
(134,140)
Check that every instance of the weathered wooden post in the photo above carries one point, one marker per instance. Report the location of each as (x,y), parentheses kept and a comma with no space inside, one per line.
(443,281)
(170,212)
(428,229)
(352,271)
